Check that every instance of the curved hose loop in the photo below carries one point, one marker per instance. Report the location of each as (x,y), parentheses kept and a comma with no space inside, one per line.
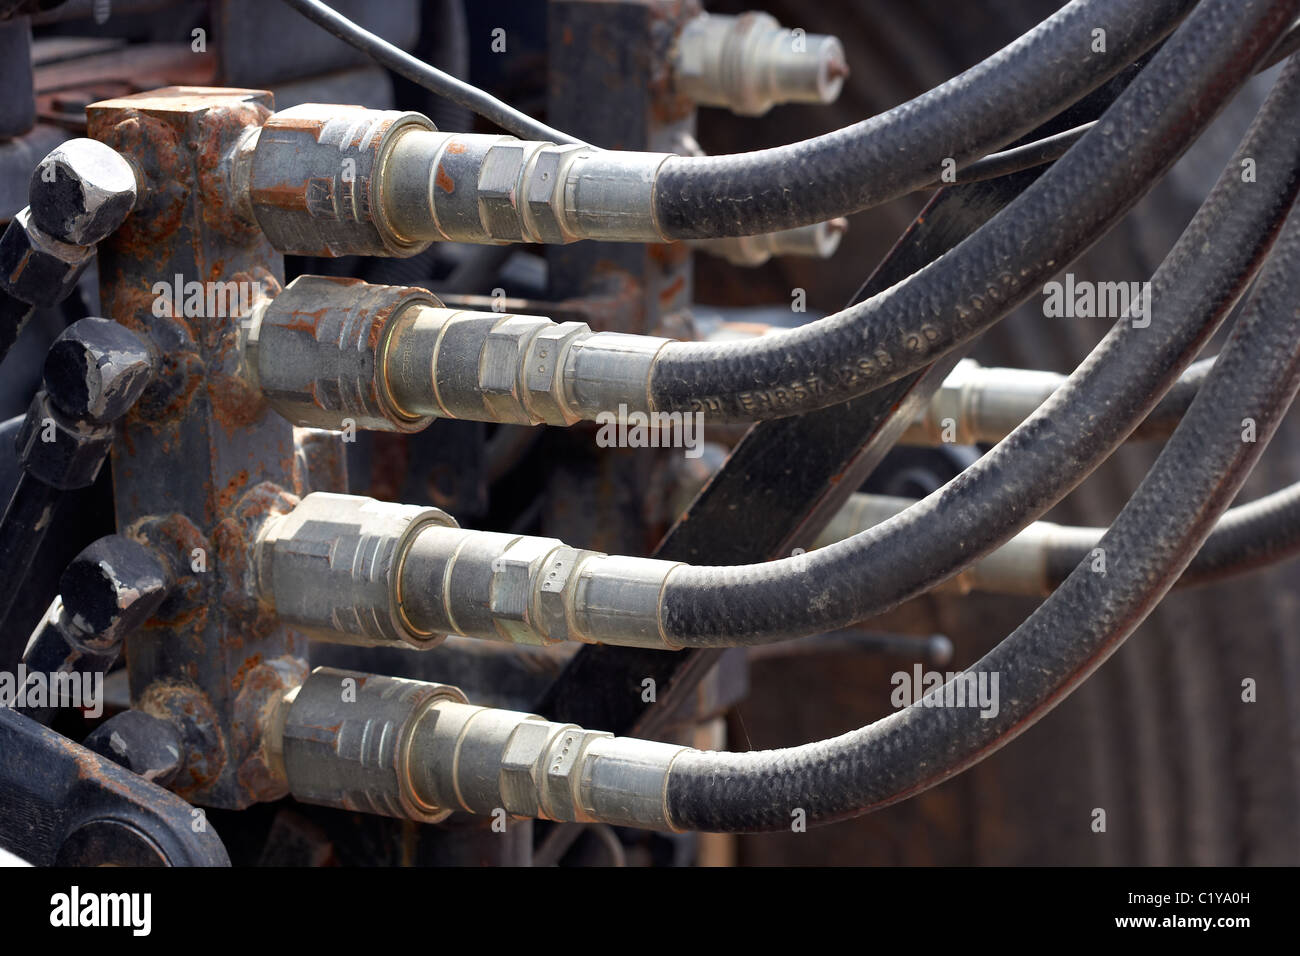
(893,153)
(1070,635)
(1053,450)
(965,292)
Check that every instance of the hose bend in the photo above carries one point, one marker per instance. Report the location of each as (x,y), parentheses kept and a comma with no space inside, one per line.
(1070,635)
(1047,455)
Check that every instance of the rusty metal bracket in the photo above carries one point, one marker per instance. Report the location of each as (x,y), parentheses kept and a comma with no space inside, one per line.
(67,806)
(184,271)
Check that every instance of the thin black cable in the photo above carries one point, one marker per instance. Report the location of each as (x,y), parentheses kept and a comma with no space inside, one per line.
(430,77)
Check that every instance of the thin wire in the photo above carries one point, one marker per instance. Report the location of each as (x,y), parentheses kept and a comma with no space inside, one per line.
(429,77)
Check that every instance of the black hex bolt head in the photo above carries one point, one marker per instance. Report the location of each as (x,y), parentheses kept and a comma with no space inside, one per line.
(112,587)
(96,369)
(81,192)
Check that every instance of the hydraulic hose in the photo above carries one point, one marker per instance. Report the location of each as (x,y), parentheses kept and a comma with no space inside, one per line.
(1047,455)
(448,580)
(1070,635)
(1053,147)
(456,756)
(963,293)
(1035,561)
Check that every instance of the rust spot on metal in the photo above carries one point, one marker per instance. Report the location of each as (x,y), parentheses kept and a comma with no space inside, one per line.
(672,289)
(235,403)
(284,196)
(233,489)
(443,181)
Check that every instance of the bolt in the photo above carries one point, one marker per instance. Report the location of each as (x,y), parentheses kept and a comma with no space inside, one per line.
(96,369)
(81,192)
(112,587)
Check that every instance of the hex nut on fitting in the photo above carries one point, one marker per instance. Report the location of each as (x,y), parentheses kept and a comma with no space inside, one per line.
(481,759)
(332,568)
(316,176)
(473,187)
(518,369)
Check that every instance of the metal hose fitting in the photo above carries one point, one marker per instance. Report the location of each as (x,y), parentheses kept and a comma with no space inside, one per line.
(332,567)
(750,63)
(342,180)
(408,749)
(359,571)
(329,353)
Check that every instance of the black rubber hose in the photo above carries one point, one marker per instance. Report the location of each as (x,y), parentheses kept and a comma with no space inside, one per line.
(1164,418)
(893,153)
(1067,638)
(963,293)
(1063,441)
(1053,147)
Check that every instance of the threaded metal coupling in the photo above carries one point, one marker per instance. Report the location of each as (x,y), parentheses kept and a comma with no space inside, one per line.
(315,179)
(518,369)
(409,749)
(467,187)
(317,349)
(332,567)
(343,180)
(344,739)
(750,63)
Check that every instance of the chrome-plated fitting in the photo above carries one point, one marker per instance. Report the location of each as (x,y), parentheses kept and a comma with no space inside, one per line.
(816,241)
(359,571)
(329,353)
(332,568)
(529,590)
(342,180)
(468,187)
(977,404)
(750,63)
(409,749)
(316,175)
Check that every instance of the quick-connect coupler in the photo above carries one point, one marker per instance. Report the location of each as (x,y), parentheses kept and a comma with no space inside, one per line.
(359,571)
(410,749)
(332,352)
(326,180)
(750,63)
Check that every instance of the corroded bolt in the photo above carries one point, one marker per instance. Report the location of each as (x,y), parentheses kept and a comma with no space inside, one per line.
(96,369)
(81,192)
